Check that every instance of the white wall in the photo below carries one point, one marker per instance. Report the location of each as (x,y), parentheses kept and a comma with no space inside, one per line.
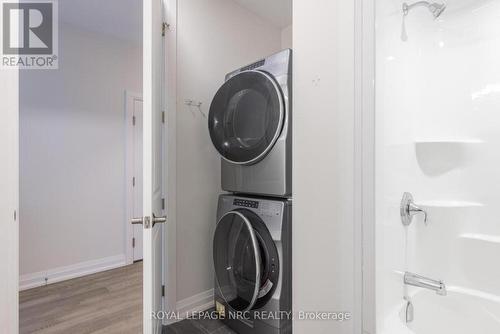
(72,155)
(214,38)
(287,37)
(325,263)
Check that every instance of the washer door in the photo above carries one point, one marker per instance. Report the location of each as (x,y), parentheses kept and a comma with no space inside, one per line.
(246,260)
(246,117)
(237,261)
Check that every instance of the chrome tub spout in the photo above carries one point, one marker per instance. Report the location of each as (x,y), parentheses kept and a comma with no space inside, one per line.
(427,283)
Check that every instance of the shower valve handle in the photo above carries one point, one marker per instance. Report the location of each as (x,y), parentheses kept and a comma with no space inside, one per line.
(408,209)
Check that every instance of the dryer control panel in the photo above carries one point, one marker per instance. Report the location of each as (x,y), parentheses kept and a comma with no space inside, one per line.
(246,203)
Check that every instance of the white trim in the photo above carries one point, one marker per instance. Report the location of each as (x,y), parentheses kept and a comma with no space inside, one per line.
(364,168)
(365,137)
(164,158)
(358,168)
(170,230)
(59,274)
(152,187)
(197,303)
(9,201)
(129,98)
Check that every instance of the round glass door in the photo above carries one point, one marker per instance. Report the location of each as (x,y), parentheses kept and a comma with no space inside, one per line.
(246,117)
(237,261)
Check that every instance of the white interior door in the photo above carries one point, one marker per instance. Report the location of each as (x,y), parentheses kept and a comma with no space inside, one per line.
(152,163)
(137,233)
(9,190)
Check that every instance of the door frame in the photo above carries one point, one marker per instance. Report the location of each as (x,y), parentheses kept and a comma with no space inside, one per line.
(170,161)
(365,164)
(153,183)
(9,317)
(9,292)
(129,99)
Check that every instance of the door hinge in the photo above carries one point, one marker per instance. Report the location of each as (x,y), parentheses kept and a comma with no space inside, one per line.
(164,27)
(163,290)
(163,204)
(133,120)
(163,117)
(133,242)
(15,215)
(133,181)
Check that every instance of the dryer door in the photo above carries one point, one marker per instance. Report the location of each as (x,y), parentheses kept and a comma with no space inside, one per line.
(246,117)
(237,261)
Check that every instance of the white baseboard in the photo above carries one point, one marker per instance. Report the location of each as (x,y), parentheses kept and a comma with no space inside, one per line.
(197,303)
(55,275)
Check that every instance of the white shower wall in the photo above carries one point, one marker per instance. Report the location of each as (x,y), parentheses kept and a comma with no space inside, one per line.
(438,129)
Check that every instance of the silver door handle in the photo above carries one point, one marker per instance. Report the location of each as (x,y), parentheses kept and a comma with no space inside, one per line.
(159,220)
(146,221)
(136,221)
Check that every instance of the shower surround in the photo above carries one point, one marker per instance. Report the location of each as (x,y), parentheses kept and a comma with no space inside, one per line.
(437,137)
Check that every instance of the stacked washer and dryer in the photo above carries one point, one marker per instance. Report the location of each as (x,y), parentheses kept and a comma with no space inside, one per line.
(250,124)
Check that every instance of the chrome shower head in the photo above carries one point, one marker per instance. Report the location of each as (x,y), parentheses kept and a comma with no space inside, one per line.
(435,8)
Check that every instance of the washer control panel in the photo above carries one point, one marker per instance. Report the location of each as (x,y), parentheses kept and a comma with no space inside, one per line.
(264,208)
(272,212)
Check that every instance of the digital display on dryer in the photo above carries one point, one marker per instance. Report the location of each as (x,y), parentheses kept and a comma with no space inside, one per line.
(246,203)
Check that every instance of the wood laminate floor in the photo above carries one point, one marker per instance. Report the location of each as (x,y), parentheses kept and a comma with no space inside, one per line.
(105,303)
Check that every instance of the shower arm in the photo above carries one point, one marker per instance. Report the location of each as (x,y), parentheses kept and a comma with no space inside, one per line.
(407,7)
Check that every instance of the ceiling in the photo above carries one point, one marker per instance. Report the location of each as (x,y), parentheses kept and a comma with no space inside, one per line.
(119,18)
(278,12)
(123,18)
